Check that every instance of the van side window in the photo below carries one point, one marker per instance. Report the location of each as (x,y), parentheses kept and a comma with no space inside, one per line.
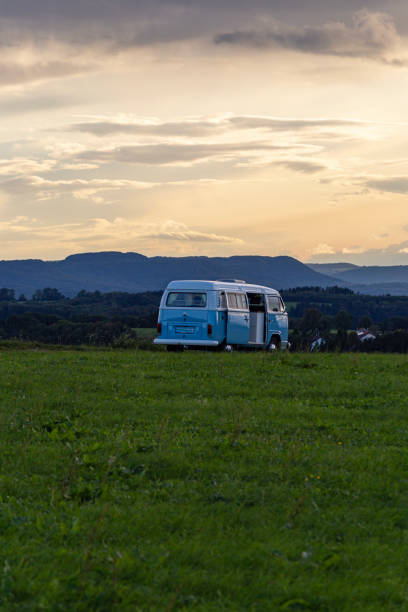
(186,299)
(232,301)
(237,301)
(222,299)
(243,299)
(275,304)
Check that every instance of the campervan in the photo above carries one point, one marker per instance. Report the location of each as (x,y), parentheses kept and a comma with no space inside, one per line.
(221,314)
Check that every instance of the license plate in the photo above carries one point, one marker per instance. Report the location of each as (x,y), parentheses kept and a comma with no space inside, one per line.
(184,330)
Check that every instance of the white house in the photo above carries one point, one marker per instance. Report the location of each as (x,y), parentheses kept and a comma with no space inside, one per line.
(364,334)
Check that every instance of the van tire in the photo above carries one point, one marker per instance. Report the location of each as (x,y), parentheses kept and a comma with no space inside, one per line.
(275,344)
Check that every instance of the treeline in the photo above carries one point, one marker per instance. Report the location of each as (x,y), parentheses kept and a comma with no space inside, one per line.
(142,306)
(95,318)
(331,300)
(332,315)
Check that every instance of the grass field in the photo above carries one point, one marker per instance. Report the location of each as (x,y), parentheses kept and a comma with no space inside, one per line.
(146,332)
(200,481)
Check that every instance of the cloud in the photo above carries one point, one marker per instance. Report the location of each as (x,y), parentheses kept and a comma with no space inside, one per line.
(21,104)
(354,250)
(172,230)
(371,35)
(295,164)
(392,255)
(289,124)
(170,154)
(142,22)
(88,189)
(83,189)
(394,184)
(78,167)
(12,73)
(323,249)
(116,28)
(113,232)
(303,166)
(174,128)
(20,166)
(198,127)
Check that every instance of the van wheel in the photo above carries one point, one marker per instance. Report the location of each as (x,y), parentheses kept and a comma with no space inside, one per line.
(274,344)
(175,348)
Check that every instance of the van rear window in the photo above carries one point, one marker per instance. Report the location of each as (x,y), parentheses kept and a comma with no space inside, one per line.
(184,299)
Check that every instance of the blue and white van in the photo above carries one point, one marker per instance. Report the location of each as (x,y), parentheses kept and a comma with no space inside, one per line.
(221,314)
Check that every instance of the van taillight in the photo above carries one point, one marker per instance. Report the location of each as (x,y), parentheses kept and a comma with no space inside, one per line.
(209,329)
(159,328)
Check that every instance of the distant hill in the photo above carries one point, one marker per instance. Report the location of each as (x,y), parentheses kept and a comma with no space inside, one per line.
(135,273)
(368,279)
(132,272)
(332,269)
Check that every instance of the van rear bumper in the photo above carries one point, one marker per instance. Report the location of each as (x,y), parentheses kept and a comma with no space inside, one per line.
(186,342)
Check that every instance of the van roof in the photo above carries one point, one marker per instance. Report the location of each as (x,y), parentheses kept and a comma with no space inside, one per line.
(208,285)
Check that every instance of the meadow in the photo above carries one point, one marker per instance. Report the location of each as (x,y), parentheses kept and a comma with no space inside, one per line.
(136,480)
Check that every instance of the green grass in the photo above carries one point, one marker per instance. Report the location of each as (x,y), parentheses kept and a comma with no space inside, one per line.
(146,332)
(200,481)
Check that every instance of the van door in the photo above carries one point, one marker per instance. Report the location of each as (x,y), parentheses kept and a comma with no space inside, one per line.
(238,318)
(277,317)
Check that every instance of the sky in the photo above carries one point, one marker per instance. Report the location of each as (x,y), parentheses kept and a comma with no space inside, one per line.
(184,127)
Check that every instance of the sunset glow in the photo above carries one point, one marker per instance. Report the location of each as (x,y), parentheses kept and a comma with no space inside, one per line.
(192,128)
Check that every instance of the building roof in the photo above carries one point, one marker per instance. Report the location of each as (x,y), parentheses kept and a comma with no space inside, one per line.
(364,334)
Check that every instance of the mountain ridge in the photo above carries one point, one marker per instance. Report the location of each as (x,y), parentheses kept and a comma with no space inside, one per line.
(134,272)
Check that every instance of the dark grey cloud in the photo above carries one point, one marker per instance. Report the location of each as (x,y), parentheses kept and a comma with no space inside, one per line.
(49,12)
(163,154)
(370,35)
(116,24)
(123,23)
(394,184)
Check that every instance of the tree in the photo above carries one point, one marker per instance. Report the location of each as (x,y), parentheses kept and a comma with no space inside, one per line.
(49,294)
(364,322)
(7,295)
(327,323)
(397,323)
(310,320)
(343,320)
